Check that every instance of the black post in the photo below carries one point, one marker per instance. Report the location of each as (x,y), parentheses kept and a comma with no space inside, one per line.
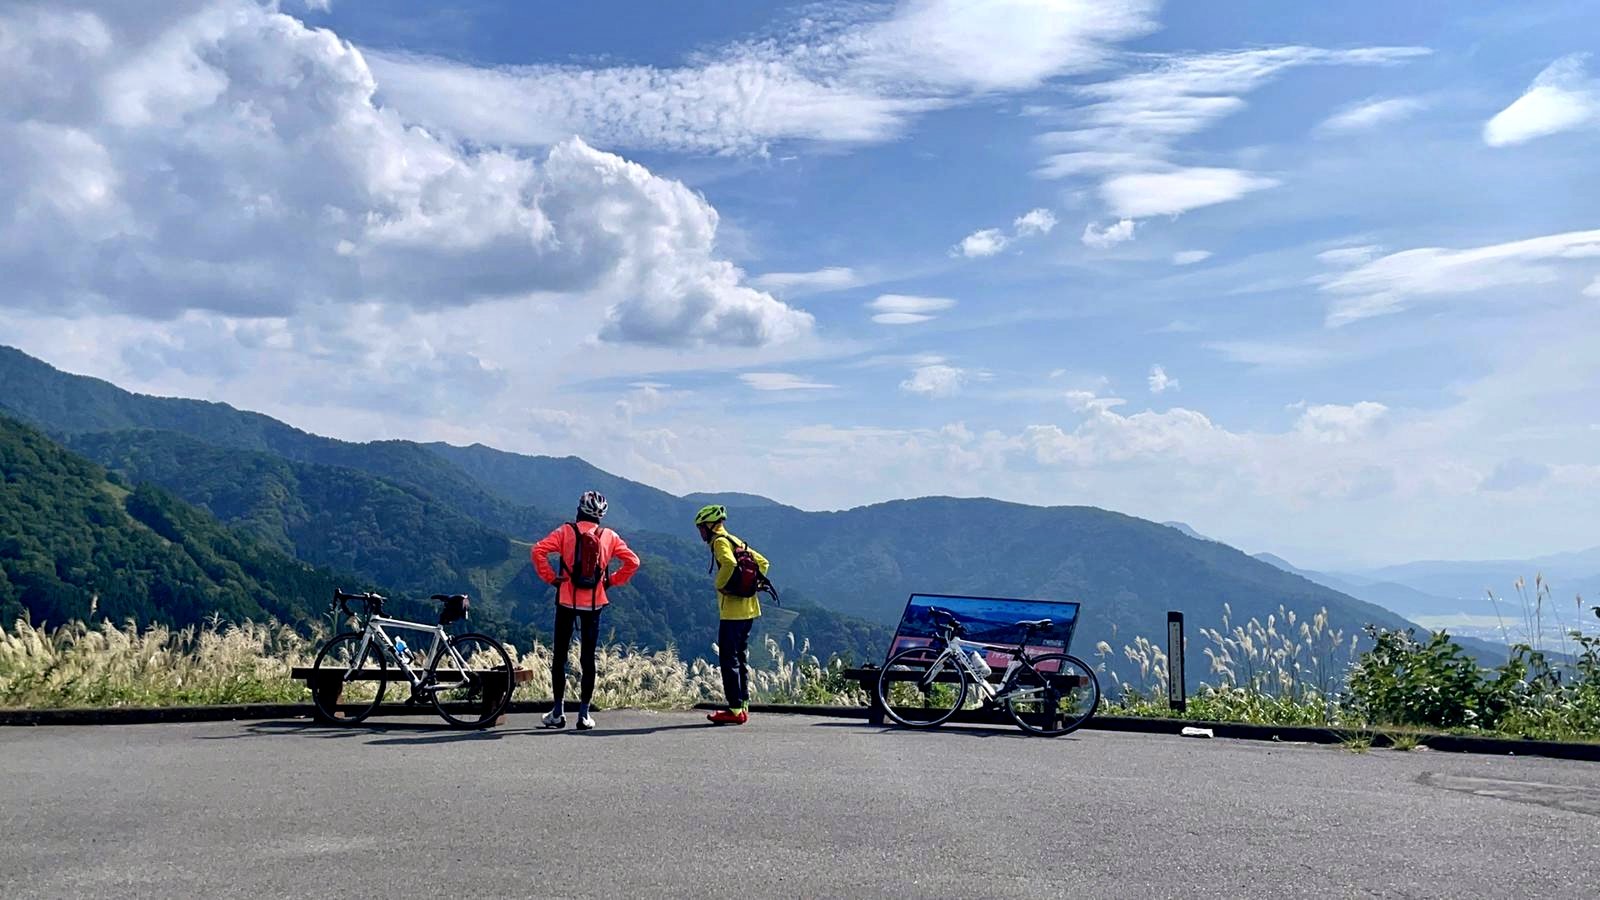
(1177,692)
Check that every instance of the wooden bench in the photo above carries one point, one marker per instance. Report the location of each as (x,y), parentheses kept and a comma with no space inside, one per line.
(327,684)
(868,676)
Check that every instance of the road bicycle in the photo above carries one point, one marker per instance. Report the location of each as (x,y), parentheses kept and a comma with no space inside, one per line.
(467,677)
(1050,694)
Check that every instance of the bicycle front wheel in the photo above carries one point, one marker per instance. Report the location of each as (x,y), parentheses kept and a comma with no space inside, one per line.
(1055,697)
(922,687)
(474,696)
(346,700)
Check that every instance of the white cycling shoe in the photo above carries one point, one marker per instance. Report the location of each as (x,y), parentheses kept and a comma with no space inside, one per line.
(585,723)
(556,719)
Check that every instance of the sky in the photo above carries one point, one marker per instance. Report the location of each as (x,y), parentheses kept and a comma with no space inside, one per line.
(1322,280)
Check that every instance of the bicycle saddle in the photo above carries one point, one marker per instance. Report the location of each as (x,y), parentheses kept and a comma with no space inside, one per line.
(445,598)
(1036,624)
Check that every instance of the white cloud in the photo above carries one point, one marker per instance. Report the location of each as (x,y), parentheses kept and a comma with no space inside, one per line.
(1561,98)
(1190,257)
(1593,290)
(1272,355)
(1034,221)
(1332,423)
(835,76)
(986,242)
(1178,191)
(780,381)
(990,241)
(1088,401)
(936,380)
(239,163)
(737,104)
(1371,114)
(1107,437)
(821,281)
(1390,283)
(1513,474)
(1008,45)
(1349,256)
(1109,236)
(1126,136)
(899,360)
(1160,382)
(907,309)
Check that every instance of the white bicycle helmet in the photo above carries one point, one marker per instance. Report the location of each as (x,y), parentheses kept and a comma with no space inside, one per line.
(592,504)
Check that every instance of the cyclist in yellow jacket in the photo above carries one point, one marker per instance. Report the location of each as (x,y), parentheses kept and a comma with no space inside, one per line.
(738,614)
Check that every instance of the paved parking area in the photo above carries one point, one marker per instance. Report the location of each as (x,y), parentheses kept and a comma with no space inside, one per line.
(661,804)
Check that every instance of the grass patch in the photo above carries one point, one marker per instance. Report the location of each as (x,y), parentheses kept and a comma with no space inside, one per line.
(107,665)
(1403,741)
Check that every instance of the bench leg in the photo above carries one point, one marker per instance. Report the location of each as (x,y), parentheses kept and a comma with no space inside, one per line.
(494,688)
(325,692)
(875,708)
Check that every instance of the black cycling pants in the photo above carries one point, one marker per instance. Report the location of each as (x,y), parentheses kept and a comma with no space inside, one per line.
(733,652)
(589,635)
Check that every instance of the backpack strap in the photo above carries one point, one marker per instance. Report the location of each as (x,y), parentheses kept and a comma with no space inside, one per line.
(711,569)
(600,550)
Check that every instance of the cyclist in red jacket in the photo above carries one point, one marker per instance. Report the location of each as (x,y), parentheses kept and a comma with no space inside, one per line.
(585,551)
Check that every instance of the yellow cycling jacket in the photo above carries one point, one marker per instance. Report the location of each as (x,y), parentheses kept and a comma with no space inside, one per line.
(722,553)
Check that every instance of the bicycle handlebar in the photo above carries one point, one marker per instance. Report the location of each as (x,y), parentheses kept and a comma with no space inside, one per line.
(341,600)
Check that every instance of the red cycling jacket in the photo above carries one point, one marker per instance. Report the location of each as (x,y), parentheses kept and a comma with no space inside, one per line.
(564,544)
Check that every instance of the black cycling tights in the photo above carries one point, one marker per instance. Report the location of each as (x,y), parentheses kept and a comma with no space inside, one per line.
(589,634)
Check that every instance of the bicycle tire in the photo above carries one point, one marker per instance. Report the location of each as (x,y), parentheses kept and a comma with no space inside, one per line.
(1041,717)
(472,647)
(339,653)
(921,659)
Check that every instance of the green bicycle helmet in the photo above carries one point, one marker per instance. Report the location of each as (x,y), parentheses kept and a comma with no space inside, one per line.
(710,514)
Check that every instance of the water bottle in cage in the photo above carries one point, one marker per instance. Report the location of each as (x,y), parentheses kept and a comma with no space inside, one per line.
(400,651)
(976,657)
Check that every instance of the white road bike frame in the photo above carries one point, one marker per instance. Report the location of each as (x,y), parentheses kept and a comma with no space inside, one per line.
(440,637)
(957,649)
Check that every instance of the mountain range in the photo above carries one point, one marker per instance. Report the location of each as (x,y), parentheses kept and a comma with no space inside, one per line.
(423,517)
(1444,592)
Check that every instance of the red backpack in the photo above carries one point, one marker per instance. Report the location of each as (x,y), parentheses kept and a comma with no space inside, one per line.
(588,560)
(746,580)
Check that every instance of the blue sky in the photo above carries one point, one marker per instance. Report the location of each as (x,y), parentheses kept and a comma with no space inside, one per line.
(1317,280)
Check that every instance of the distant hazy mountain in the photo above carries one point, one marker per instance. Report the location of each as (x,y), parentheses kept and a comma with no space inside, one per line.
(1403,599)
(730,499)
(1567,573)
(1180,526)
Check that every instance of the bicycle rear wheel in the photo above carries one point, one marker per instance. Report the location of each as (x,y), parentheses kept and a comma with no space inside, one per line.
(355,699)
(1061,693)
(476,696)
(922,687)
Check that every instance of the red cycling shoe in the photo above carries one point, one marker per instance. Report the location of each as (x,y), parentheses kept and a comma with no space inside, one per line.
(729,717)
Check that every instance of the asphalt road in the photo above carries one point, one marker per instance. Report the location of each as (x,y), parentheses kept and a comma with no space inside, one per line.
(664,805)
